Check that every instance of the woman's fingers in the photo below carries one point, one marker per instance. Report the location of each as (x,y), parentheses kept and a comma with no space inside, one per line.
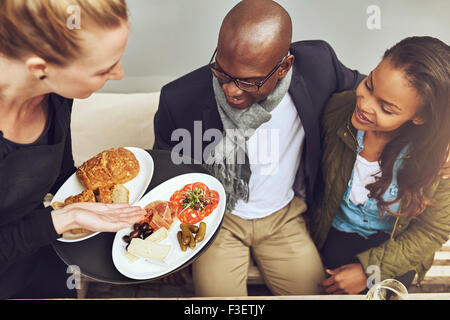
(98,206)
(113,206)
(132,217)
(108,206)
(131,213)
(112,223)
(106,217)
(119,210)
(128,210)
(124,213)
(125,220)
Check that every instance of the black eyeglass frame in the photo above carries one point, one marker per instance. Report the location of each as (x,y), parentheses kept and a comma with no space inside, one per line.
(236,81)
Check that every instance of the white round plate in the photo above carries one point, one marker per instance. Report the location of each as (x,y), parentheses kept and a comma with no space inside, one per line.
(136,187)
(144,269)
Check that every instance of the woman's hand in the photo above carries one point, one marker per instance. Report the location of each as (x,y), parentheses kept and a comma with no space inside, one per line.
(98,217)
(348,279)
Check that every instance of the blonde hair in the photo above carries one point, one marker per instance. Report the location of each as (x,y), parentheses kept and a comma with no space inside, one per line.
(41,27)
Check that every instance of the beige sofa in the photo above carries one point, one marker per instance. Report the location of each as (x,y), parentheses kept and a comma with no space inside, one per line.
(107,120)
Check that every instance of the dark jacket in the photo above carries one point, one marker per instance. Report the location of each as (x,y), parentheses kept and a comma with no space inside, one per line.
(317,74)
(26,176)
(413,242)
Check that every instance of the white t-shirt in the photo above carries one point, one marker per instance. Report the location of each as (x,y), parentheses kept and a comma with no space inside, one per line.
(274,151)
(364,173)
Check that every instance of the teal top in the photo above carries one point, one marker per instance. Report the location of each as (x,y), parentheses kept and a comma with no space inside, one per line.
(365,219)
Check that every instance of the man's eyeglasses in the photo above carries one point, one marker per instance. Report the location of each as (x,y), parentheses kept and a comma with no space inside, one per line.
(241,84)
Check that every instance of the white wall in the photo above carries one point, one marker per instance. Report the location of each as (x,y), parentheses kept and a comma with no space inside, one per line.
(172,37)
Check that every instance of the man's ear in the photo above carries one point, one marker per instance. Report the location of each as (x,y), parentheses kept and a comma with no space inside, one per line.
(285,66)
(37,67)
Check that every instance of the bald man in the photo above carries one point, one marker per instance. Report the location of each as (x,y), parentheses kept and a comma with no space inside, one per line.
(261,97)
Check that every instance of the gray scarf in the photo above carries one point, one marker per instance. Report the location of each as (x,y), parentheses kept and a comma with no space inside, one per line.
(229,161)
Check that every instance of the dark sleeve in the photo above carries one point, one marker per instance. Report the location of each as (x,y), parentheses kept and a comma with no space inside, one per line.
(346,79)
(163,125)
(24,237)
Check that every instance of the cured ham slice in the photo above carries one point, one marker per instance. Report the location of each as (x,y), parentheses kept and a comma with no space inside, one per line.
(160,214)
(159,222)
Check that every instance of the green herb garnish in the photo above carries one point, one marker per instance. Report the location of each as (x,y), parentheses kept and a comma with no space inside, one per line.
(195,199)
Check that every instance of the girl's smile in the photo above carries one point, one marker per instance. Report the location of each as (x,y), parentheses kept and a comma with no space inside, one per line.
(360,117)
(385,101)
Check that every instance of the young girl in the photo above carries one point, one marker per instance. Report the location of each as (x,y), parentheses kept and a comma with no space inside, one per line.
(381,209)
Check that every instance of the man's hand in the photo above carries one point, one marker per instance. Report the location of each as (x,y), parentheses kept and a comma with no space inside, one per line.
(348,279)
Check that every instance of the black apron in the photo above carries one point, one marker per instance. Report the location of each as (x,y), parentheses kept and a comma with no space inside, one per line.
(26,176)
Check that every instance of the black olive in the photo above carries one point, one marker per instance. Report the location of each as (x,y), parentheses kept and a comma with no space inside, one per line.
(136,226)
(134,234)
(196,206)
(147,233)
(145,226)
(126,238)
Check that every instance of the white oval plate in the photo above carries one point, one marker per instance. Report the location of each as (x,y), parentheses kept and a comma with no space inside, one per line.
(144,269)
(136,187)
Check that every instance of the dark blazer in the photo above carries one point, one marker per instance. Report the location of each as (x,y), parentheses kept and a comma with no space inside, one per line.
(317,74)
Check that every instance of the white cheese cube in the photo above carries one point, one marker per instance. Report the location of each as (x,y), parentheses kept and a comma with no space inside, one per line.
(158,235)
(148,249)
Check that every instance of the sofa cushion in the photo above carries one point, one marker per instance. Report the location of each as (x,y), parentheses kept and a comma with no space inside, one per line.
(107,120)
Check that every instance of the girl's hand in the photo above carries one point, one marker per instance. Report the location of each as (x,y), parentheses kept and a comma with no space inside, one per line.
(97,217)
(348,279)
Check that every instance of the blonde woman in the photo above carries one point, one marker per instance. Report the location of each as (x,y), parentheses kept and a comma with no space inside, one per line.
(47,58)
